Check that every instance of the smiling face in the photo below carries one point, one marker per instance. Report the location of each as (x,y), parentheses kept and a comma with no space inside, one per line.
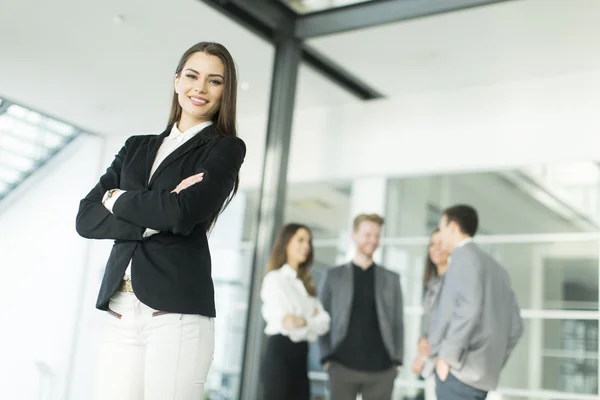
(199,89)
(438,255)
(366,238)
(298,248)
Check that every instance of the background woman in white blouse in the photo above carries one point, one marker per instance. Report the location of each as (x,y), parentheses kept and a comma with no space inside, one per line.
(293,314)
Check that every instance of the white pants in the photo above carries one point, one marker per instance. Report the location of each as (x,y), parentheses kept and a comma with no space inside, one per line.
(147,355)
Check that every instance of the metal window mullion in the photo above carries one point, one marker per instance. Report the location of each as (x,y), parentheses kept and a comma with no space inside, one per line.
(271,201)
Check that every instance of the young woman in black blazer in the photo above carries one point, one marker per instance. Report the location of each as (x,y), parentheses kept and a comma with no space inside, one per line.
(157,201)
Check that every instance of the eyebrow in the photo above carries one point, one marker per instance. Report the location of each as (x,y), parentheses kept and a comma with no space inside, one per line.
(193,70)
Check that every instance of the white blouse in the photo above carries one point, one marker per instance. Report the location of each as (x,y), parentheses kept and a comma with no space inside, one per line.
(282,293)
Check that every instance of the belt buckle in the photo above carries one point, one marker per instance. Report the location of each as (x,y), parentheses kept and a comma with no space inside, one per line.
(126,286)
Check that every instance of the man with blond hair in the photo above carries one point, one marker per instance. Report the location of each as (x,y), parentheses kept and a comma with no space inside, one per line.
(362,350)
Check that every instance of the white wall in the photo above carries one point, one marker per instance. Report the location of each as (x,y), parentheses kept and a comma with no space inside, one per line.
(43,262)
(476,128)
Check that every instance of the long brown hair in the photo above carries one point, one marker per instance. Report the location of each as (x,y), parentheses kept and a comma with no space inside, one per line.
(430,267)
(225,117)
(278,255)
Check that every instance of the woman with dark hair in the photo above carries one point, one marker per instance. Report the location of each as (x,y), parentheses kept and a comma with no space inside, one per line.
(157,288)
(293,314)
(435,267)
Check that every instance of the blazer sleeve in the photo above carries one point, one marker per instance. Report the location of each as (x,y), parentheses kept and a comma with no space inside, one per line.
(398,320)
(516,326)
(180,213)
(93,220)
(325,298)
(464,282)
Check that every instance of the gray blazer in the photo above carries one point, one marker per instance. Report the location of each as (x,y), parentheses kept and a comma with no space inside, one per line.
(477,322)
(336,293)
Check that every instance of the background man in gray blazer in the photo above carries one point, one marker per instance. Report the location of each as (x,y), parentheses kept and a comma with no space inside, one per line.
(478,322)
(362,350)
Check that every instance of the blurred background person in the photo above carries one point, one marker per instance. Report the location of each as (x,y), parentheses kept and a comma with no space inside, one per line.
(478,322)
(365,346)
(435,267)
(293,314)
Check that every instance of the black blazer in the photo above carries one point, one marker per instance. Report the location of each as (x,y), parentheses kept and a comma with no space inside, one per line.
(171,271)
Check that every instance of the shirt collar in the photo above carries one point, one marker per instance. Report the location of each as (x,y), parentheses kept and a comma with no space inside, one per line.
(191,132)
(459,245)
(371,267)
(287,270)
(464,241)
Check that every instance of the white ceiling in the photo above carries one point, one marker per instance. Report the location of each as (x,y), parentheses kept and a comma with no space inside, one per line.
(503,42)
(69,59)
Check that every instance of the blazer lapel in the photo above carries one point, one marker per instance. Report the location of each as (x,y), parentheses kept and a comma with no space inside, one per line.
(347,287)
(201,138)
(153,147)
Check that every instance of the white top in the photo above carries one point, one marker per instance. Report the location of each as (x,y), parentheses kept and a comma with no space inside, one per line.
(466,240)
(283,293)
(169,145)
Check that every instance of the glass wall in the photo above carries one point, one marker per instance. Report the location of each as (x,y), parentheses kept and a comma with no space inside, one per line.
(546,236)
(556,283)
(321,206)
(547,239)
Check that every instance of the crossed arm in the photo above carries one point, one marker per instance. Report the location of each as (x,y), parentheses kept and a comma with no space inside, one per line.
(113,195)
(178,212)
(93,220)
(276,312)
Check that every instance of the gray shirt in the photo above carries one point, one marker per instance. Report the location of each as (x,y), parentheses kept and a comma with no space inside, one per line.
(430,304)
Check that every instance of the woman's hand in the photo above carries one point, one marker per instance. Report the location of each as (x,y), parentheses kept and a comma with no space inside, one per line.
(424,348)
(299,322)
(417,364)
(187,182)
(289,322)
